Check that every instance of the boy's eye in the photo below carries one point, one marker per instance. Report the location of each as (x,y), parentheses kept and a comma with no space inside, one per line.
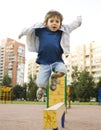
(51,21)
(57,21)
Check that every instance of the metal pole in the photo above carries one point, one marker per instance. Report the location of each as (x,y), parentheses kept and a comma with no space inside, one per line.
(47,95)
(65,89)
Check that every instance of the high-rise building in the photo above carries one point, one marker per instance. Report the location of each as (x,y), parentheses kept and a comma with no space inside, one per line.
(12,60)
(87,56)
(33,68)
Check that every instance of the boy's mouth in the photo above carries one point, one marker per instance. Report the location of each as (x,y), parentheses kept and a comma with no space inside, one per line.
(54,27)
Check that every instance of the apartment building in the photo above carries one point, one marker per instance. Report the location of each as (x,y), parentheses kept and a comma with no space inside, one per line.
(84,56)
(12,60)
(33,68)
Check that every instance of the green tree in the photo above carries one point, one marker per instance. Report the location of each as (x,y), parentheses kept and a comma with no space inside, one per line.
(86,86)
(74,84)
(18,92)
(97,88)
(25,86)
(32,88)
(6,81)
(75,74)
(99,83)
(82,86)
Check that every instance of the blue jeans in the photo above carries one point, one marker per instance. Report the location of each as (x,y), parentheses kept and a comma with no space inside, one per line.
(46,70)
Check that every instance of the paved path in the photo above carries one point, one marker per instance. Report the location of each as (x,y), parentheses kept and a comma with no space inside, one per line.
(29,117)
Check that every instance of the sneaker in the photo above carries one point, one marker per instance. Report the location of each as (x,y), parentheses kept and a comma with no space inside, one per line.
(53,84)
(40,93)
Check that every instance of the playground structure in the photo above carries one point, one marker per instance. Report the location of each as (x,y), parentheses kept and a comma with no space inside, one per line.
(5,94)
(59,95)
(69,96)
(56,105)
(54,115)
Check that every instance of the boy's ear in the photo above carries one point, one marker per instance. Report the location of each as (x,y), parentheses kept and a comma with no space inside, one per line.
(45,23)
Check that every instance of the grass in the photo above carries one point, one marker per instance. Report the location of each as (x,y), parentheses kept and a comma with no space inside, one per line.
(44,103)
(22,102)
(84,103)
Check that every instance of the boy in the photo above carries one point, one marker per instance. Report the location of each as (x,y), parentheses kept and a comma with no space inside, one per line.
(50,39)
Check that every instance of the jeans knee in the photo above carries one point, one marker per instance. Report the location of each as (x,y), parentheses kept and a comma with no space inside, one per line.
(41,84)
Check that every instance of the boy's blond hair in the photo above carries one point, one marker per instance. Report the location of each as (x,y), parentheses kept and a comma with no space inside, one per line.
(53,13)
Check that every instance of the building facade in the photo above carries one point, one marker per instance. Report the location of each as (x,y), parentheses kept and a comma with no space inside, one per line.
(12,60)
(33,68)
(87,56)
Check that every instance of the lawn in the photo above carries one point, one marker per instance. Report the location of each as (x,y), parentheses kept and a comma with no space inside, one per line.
(84,103)
(21,102)
(44,103)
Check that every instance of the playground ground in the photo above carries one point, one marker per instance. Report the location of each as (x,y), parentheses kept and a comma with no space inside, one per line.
(30,117)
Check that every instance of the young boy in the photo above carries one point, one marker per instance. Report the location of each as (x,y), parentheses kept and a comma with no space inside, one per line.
(50,40)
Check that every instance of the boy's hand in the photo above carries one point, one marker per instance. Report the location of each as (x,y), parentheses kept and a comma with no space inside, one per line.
(79,17)
(19,37)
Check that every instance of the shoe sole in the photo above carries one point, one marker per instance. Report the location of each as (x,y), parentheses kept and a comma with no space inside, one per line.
(40,94)
(53,85)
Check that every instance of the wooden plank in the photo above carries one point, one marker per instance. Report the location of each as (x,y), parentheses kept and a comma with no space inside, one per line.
(52,115)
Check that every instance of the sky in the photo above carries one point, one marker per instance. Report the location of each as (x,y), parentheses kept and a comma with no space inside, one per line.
(17,14)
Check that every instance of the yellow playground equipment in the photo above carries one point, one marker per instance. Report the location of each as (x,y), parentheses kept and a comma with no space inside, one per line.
(5,94)
(59,95)
(56,104)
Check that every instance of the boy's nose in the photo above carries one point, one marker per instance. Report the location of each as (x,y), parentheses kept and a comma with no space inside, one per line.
(54,23)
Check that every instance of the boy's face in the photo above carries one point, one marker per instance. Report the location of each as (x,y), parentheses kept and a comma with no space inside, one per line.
(53,23)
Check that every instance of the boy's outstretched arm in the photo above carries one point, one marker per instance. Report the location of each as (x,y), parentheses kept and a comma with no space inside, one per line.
(79,18)
(23,32)
(75,24)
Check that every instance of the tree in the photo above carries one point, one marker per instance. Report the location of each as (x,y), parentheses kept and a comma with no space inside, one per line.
(75,74)
(86,86)
(18,92)
(82,87)
(98,86)
(25,91)
(99,83)
(6,81)
(74,84)
(32,88)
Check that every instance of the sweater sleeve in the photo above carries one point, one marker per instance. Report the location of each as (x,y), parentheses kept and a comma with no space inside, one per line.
(75,24)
